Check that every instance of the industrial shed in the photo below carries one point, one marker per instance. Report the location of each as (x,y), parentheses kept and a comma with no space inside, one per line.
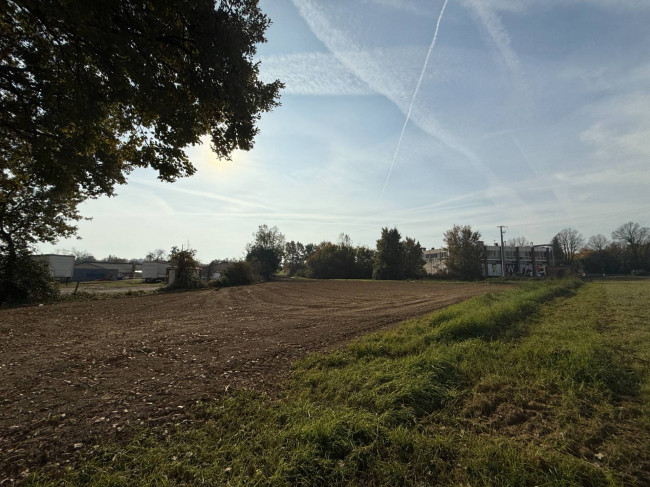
(92,271)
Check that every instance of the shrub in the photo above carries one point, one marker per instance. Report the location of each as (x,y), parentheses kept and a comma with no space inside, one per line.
(26,280)
(639,272)
(186,265)
(237,274)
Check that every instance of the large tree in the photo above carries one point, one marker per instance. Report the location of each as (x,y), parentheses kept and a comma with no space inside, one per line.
(636,241)
(570,242)
(340,261)
(186,276)
(331,261)
(413,259)
(465,249)
(294,257)
(266,251)
(389,258)
(157,255)
(396,258)
(91,90)
(597,246)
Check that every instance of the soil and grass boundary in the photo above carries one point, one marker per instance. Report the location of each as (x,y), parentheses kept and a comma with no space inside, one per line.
(546,384)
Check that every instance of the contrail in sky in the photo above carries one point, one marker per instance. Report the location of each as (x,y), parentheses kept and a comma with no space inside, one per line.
(415,93)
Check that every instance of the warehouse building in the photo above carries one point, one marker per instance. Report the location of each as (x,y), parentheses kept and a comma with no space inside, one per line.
(106,271)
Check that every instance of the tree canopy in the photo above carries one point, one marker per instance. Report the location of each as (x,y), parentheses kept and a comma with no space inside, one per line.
(266,251)
(342,260)
(635,239)
(91,90)
(389,258)
(570,242)
(397,259)
(464,248)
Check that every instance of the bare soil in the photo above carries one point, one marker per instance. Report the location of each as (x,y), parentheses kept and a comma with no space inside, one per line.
(109,287)
(76,374)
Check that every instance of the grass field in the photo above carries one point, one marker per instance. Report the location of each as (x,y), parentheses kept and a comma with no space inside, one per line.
(546,384)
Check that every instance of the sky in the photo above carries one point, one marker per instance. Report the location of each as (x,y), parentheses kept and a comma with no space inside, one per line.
(416,114)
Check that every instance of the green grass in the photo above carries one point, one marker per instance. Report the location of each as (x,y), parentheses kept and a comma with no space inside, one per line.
(546,384)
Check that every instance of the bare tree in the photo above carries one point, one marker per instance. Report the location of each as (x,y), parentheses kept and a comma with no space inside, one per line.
(79,255)
(571,242)
(597,243)
(635,237)
(158,255)
(518,242)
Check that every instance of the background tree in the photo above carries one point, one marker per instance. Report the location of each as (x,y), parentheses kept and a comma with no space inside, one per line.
(635,239)
(570,242)
(79,255)
(157,255)
(557,252)
(213,265)
(389,258)
(413,259)
(597,243)
(238,273)
(91,90)
(340,261)
(186,276)
(601,256)
(331,261)
(363,262)
(294,258)
(114,259)
(518,242)
(266,251)
(465,248)
(597,247)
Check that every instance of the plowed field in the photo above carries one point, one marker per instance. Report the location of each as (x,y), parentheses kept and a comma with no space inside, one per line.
(74,374)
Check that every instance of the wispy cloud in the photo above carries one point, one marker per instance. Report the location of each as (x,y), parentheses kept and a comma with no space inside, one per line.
(193,192)
(315,73)
(521,6)
(407,5)
(380,76)
(490,20)
(497,32)
(620,128)
(415,94)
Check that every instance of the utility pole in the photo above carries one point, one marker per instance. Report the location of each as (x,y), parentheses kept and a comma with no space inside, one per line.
(503,261)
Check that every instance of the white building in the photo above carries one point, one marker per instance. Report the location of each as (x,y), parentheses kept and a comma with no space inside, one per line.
(519,261)
(435,261)
(62,266)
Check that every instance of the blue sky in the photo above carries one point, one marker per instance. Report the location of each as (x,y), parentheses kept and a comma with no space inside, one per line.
(532,114)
